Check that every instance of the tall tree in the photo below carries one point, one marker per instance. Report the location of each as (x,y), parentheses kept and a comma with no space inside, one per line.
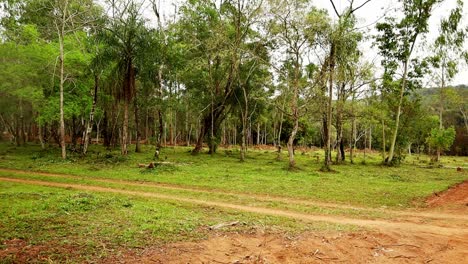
(397,42)
(296,28)
(124,39)
(448,51)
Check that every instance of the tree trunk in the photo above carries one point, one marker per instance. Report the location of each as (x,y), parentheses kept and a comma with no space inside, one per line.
(211,123)
(243,138)
(89,127)
(161,129)
(383,141)
(353,137)
(397,121)
(124,137)
(292,162)
(441,126)
(339,135)
(329,107)
(137,125)
(258,134)
(62,82)
(465,118)
(41,137)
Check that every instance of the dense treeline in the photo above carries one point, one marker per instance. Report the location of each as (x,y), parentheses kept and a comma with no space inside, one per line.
(235,72)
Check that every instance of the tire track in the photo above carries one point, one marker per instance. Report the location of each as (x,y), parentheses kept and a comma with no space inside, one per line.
(379,224)
(264,198)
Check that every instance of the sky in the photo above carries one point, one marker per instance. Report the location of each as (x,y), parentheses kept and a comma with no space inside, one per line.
(368,15)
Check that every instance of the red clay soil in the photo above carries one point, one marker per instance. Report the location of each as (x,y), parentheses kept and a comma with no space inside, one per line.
(364,247)
(260,247)
(456,195)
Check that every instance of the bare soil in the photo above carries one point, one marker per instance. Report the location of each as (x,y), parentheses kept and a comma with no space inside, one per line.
(454,196)
(417,239)
(364,247)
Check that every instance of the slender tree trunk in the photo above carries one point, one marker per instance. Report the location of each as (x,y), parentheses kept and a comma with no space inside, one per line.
(171,129)
(258,134)
(243,138)
(353,139)
(383,141)
(465,119)
(397,121)
(98,130)
(339,135)
(187,129)
(295,114)
(292,162)
(441,126)
(161,129)
(89,127)
(329,106)
(62,82)
(280,129)
(235,134)
(124,137)
(137,125)
(365,144)
(244,116)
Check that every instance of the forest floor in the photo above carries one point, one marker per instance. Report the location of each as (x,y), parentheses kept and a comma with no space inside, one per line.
(47,215)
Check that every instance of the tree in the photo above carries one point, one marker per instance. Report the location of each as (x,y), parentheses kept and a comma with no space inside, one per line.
(124,39)
(448,51)
(250,59)
(397,42)
(342,47)
(68,17)
(441,139)
(296,29)
(208,72)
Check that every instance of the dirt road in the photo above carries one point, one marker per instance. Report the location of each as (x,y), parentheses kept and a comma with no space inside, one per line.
(442,241)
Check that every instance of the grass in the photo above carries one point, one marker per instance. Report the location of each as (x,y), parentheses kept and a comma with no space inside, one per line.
(95,225)
(365,185)
(88,225)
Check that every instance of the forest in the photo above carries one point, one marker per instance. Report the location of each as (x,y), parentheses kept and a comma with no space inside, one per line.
(231,73)
(233,131)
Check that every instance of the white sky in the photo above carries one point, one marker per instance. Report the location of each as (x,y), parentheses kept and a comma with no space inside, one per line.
(368,15)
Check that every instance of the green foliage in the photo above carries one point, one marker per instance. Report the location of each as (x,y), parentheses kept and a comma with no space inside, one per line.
(441,138)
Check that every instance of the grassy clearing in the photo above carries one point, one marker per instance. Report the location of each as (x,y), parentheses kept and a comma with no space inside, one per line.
(364,185)
(239,199)
(77,226)
(94,225)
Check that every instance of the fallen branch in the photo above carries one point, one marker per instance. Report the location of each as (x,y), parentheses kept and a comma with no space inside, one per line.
(221,225)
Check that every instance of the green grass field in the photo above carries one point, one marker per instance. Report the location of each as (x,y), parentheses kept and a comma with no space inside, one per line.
(94,225)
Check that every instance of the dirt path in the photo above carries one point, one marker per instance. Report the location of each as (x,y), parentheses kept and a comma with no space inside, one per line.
(363,247)
(425,214)
(378,224)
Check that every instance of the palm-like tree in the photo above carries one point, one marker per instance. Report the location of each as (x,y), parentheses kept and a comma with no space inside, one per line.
(123,39)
